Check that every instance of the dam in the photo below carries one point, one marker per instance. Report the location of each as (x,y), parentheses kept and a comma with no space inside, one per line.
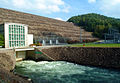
(53,64)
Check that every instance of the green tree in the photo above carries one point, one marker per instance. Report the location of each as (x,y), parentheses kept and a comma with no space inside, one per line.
(1,40)
(96,23)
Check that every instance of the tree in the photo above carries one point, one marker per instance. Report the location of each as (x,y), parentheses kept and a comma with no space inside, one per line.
(1,40)
(96,23)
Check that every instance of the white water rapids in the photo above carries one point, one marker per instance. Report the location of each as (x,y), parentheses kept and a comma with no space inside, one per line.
(65,72)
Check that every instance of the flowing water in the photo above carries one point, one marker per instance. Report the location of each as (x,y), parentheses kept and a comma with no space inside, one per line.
(65,72)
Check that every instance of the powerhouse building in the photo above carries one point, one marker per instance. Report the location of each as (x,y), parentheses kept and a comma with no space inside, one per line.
(16,35)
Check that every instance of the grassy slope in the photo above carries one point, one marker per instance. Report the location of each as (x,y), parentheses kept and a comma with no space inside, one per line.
(95,45)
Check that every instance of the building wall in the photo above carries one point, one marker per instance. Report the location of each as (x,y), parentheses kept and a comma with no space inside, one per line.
(6,35)
(30,39)
(15,35)
(26,35)
(21,54)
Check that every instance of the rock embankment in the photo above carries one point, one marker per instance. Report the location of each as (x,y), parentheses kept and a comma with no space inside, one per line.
(9,77)
(7,64)
(93,56)
(7,59)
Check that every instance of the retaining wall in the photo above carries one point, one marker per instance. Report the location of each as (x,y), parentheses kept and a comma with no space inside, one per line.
(93,56)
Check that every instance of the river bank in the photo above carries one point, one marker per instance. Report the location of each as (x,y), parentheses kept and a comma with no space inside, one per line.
(10,77)
(7,65)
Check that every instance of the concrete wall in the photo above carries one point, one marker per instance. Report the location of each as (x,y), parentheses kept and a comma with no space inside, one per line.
(21,54)
(30,55)
(37,55)
(6,35)
(93,56)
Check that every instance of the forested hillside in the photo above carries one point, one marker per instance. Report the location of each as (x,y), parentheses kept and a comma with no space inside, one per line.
(96,23)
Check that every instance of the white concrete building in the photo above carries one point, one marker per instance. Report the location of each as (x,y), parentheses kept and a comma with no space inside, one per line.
(16,35)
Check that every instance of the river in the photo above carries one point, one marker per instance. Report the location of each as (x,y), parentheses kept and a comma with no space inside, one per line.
(65,72)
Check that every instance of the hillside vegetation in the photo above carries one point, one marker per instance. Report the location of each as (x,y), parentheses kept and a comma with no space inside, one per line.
(96,23)
(94,45)
(1,40)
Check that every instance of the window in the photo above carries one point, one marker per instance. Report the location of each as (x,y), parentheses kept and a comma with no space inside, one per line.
(24,43)
(9,28)
(14,43)
(19,30)
(19,43)
(9,43)
(14,30)
(23,30)
(9,36)
(17,36)
(23,37)
(14,37)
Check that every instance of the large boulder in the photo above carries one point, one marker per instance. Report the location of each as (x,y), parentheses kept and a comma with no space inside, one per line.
(7,59)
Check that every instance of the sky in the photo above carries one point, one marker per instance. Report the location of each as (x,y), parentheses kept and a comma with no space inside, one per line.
(64,9)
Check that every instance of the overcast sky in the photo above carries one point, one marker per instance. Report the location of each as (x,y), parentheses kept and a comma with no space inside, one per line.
(64,9)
